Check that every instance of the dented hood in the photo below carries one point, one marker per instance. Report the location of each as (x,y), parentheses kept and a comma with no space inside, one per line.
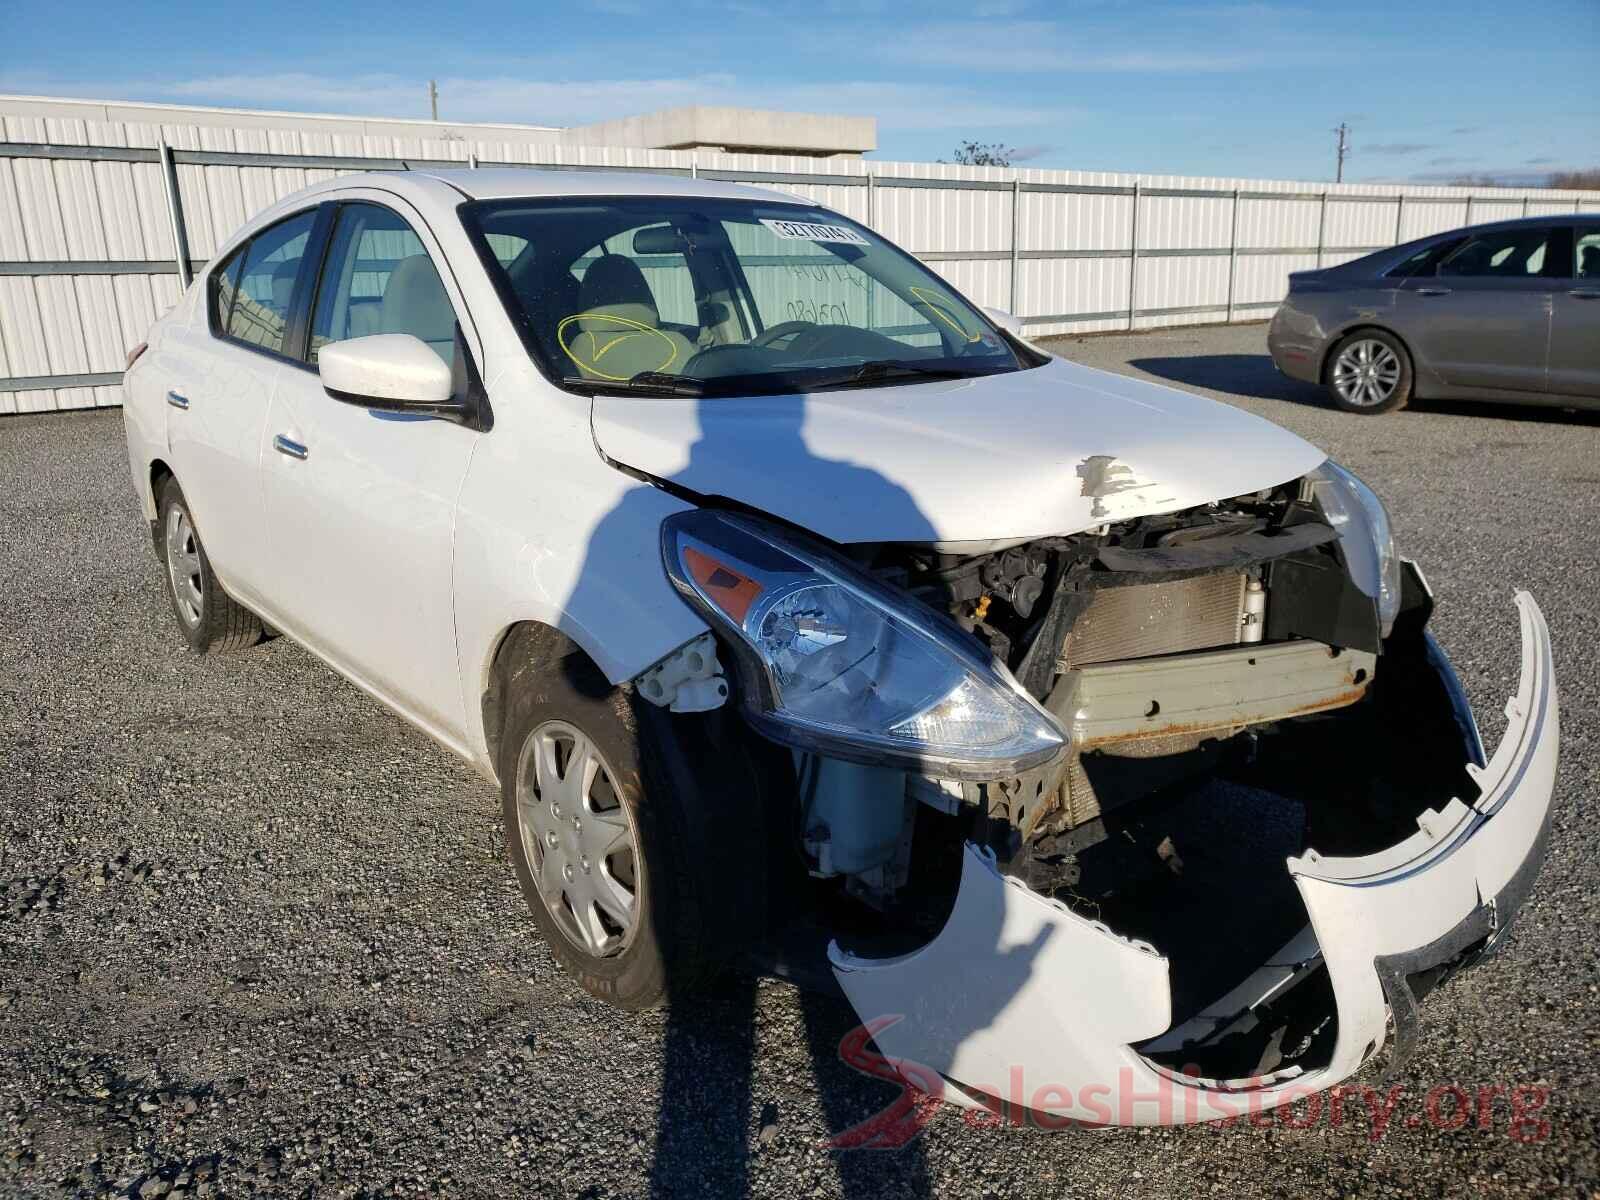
(1053,450)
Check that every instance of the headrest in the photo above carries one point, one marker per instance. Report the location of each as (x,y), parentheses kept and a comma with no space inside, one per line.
(415,302)
(615,285)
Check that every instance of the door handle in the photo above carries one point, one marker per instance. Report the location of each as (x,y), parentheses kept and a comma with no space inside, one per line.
(1433,291)
(286,445)
(1585,293)
(177,401)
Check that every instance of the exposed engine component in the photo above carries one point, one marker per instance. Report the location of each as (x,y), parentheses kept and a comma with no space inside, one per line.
(1154,641)
(1143,619)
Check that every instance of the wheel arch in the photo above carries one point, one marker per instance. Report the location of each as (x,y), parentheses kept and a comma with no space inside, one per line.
(521,651)
(155,479)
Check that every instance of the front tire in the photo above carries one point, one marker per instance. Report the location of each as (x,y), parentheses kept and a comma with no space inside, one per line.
(634,835)
(1370,373)
(211,620)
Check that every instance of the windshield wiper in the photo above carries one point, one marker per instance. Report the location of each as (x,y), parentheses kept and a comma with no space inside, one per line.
(888,368)
(648,383)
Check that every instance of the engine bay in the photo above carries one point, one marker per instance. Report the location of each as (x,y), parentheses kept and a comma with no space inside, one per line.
(1214,669)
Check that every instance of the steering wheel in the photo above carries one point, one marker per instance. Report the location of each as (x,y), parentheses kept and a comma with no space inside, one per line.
(778,333)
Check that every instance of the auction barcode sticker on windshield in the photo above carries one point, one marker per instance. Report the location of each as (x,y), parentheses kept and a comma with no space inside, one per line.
(804,231)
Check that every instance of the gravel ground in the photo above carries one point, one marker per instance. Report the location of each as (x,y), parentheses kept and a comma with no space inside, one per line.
(259,937)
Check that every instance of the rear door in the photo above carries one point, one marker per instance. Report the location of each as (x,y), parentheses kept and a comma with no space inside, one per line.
(227,366)
(1575,320)
(1482,318)
(361,503)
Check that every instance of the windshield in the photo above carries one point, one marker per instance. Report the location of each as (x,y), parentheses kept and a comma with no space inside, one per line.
(691,296)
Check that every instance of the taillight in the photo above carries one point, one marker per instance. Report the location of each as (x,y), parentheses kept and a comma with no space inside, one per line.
(133,355)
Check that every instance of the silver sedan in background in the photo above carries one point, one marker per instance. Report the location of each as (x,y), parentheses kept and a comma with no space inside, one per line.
(1508,311)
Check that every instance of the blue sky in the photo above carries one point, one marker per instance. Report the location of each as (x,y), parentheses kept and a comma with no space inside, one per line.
(1432,89)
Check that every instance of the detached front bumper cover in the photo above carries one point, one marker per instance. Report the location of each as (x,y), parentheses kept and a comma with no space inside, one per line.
(1019,997)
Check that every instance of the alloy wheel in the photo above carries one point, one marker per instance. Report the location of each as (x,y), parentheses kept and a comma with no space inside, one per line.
(1366,373)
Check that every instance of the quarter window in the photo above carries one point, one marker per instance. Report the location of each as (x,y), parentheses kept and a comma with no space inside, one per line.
(1504,254)
(379,279)
(258,309)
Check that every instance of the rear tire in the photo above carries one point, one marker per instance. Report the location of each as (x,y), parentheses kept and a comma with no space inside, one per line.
(211,621)
(674,813)
(1369,372)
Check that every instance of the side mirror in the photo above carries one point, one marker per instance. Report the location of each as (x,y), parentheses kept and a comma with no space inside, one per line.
(391,372)
(1006,321)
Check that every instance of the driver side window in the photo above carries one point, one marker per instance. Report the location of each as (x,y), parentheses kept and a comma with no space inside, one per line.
(378,278)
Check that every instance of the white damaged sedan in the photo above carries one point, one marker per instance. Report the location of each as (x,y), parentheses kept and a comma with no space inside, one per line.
(1086,734)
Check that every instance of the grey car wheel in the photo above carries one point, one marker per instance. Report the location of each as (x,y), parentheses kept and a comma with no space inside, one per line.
(1369,372)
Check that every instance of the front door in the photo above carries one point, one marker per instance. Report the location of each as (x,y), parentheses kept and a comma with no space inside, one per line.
(1482,320)
(360,503)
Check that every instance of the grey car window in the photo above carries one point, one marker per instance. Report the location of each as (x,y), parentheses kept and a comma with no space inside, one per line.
(1503,254)
(1423,261)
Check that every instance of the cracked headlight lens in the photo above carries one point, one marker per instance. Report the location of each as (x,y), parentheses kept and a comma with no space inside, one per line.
(1355,511)
(836,662)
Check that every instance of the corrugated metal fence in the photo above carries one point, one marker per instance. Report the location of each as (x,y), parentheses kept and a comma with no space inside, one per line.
(101,222)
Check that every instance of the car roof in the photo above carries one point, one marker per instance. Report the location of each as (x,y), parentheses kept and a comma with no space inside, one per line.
(431,189)
(1566,218)
(504,183)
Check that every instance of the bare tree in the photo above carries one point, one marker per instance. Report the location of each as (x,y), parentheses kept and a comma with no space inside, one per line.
(1581,180)
(983,154)
(1576,180)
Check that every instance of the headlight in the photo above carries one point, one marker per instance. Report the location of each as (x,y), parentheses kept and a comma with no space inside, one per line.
(1353,509)
(836,662)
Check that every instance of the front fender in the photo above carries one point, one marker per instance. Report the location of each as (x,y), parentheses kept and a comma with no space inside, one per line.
(547,531)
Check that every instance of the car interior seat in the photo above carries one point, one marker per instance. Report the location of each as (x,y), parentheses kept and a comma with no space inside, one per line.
(616,332)
(415,302)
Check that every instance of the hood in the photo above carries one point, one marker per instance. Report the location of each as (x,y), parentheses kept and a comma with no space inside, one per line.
(1053,450)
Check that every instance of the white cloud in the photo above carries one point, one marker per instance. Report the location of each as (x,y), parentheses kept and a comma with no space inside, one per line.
(899,107)
(1169,38)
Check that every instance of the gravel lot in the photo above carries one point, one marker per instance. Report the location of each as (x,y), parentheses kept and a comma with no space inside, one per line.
(260,937)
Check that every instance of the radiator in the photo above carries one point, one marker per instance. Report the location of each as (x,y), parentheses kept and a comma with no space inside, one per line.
(1157,618)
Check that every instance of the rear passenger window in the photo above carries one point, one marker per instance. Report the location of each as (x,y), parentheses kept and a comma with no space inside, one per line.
(259,309)
(379,279)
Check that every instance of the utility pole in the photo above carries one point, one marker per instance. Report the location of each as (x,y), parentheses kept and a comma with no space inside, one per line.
(1344,148)
(433,99)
